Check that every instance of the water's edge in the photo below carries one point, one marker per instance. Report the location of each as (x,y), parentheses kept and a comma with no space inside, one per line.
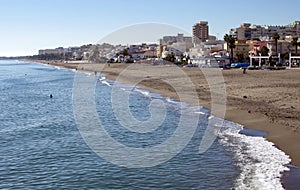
(289,179)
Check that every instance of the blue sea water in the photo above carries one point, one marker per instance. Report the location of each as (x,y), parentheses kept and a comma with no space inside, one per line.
(41,146)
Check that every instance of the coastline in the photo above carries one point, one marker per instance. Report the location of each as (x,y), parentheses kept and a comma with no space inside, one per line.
(251,101)
(244,105)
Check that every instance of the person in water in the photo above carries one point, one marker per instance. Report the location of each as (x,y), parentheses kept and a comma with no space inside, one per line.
(51,96)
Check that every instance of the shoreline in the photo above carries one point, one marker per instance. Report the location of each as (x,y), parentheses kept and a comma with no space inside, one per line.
(282,131)
(242,108)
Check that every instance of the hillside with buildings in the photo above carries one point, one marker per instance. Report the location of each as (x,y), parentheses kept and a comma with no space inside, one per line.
(250,41)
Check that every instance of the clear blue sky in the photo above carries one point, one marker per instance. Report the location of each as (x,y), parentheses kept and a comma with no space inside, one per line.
(30,25)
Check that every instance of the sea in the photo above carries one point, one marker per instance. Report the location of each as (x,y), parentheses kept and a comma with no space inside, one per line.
(43,144)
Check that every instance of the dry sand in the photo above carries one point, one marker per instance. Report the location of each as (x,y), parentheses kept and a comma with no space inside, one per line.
(261,99)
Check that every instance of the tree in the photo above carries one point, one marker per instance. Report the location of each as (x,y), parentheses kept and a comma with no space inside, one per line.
(276,38)
(240,56)
(226,39)
(286,56)
(125,52)
(182,59)
(230,40)
(264,51)
(170,57)
(295,43)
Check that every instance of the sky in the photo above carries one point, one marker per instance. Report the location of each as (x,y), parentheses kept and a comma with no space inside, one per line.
(29,25)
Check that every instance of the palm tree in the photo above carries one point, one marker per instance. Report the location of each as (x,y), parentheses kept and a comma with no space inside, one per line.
(226,39)
(230,40)
(264,51)
(295,43)
(276,38)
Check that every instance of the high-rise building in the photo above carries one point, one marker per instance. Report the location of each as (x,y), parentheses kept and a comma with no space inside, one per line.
(200,32)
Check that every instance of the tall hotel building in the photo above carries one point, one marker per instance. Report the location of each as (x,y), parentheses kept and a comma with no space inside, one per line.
(200,32)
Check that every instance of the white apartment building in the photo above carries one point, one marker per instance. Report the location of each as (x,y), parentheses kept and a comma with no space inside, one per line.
(59,50)
(247,32)
(208,49)
(180,38)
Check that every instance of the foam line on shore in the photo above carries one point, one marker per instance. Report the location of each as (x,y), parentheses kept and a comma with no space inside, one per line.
(260,162)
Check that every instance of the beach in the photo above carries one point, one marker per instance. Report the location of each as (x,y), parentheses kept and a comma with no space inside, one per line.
(260,99)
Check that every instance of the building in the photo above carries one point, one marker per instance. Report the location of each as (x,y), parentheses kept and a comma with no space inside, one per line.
(241,46)
(247,32)
(283,46)
(208,49)
(255,46)
(244,32)
(200,32)
(170,51)
(181,46)
(160,50)
(180,42)
(180,38)
(57,51)
(144,54)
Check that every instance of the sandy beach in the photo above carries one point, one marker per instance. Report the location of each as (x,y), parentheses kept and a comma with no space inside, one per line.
(260,99)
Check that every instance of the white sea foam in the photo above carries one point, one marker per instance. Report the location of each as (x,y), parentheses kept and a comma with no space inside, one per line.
(260,163)
(87,73)
(203,111)
(171,100)
(144,92)
(211,117)
(105,82)
(200,112)
(102,79)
